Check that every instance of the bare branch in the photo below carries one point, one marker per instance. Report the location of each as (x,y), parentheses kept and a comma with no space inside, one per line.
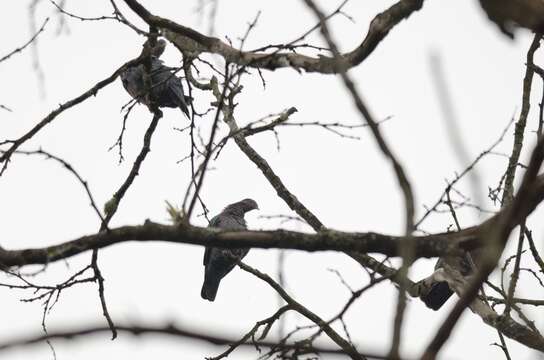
(21,48)
(189,40)
(172,330)
(466,171)
(521,123)
(71,169)
(5,108)
(426,246)
(345,345)
(450,243)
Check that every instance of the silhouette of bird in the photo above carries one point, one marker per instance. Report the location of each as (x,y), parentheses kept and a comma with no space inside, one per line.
(219,262)
(166,88)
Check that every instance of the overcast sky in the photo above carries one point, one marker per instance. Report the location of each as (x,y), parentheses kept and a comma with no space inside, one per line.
(347,183)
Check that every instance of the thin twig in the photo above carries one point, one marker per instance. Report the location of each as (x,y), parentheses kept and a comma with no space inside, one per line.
(345,345)
(71,169)
(21,48)
(521,123)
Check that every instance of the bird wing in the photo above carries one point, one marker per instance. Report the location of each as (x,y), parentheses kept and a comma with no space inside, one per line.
(168,86)
(207,254)
(132,81)
(214,222)
(174,84)
(224,222)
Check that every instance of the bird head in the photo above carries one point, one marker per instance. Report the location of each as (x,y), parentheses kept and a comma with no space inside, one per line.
(156,50)
(159,48)
(248,205)
(241,207)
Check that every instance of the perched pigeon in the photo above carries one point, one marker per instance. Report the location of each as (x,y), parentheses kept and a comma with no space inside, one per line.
(439,291)
(166,87)
(509,14)
(219,262)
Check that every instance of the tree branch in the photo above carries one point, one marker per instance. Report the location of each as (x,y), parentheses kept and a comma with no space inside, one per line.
(21,48)
(340,341)
(140,329)
(191,41)
(521,123)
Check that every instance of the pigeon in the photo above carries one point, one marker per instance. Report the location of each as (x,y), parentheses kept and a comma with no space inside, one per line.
(166,87)
(509,14)
(219,262)
(439,291)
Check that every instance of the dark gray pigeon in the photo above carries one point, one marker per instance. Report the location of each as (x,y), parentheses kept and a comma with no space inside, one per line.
(219,262)
(166,87)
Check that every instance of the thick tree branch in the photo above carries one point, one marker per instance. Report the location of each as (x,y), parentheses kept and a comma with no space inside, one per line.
(191,41)
(140,329)
(426,246)
(451,243)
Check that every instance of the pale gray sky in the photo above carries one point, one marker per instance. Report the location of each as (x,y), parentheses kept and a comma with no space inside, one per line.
(347,183)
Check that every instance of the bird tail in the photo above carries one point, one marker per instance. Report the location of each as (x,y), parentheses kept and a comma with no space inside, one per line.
(185,101)
(184,110)
(210,287)
(438,294)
